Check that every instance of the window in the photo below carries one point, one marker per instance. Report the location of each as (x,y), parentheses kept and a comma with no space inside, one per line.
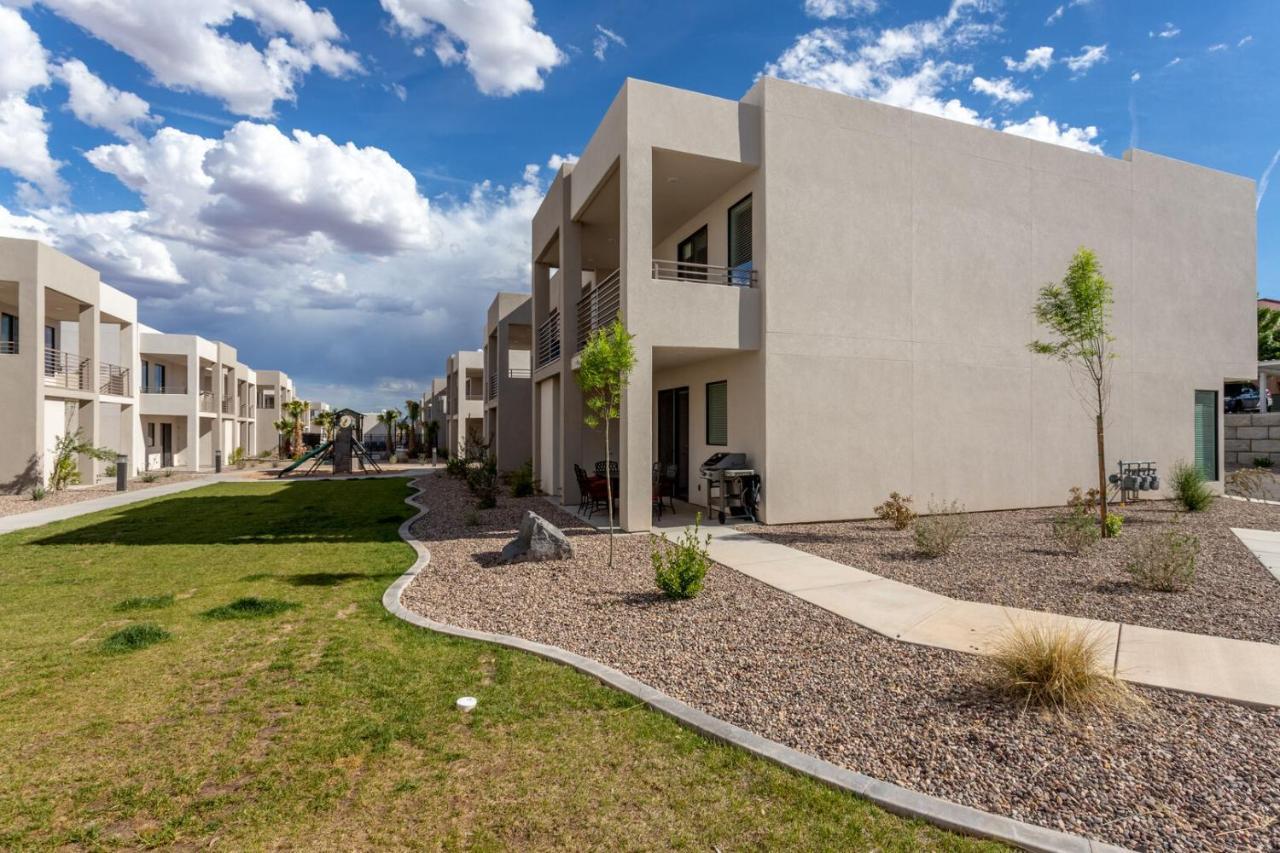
(160,377)
(718,413)
(693,252)
(151,434)
(146,375)
(740,260)
(1206,426)
(8,333)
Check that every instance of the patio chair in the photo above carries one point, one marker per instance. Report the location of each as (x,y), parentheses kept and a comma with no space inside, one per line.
(667,483)
(593,492)
(612,466)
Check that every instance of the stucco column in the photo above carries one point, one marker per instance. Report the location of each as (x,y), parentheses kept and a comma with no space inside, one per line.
(636,253)
(571,410)
(540,286)
(505,462)
(88,414)
(193,413)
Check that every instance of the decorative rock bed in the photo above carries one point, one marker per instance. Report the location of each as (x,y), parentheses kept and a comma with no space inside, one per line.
(1182,773)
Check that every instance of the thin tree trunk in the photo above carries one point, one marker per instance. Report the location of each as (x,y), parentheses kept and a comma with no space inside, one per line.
(608,489)
(1102,478)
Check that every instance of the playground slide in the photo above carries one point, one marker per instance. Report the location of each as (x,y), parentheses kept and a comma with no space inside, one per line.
(310,455)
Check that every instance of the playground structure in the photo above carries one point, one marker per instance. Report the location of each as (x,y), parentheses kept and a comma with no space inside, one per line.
(342,451)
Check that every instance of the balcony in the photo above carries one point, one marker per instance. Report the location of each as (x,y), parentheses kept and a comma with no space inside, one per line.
(228,406)
(164,389)
(66,370)
(473,394)
(549,339)
(244,410)
(599,306)
(206,401)
(491,390)
(113,379)
(664,270)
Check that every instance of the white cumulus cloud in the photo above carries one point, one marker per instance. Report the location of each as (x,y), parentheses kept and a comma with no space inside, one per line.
(1168,31)
(96,103)
(1036,59)
(24,132)
(1089,56)
(827,9)
(1044,129)
(497,40)
(1001,89)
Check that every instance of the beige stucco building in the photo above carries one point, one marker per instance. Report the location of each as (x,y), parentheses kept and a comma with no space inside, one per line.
(275,392)
(68,362)
(508,341)
(842,290)
(435,405)
(464,395)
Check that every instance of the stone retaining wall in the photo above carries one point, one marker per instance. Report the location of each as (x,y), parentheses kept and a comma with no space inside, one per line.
(1246,437)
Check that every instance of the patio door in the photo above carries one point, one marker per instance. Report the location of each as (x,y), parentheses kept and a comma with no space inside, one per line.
(673,436)
(166,445)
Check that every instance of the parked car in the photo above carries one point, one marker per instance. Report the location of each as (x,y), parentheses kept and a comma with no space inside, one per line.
(1245,401)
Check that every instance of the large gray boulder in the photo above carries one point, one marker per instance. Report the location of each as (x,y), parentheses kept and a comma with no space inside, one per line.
(538,540)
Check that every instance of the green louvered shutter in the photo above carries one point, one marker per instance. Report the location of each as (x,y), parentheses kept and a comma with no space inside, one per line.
(1206,448)
(718,413)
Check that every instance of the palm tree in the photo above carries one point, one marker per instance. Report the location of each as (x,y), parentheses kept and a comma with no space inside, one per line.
(325,420)
(296,409)
(389,419)
(413,408)
(284,426)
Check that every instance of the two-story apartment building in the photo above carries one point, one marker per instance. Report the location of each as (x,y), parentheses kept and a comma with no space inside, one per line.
(197,399)
(68,362)
(464,394)
(275,392)
(435,405)
(843,290)
(508,401)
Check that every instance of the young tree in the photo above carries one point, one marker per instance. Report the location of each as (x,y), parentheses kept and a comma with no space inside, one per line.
(296,409)
(606,364)
(66,470)
(1078,312)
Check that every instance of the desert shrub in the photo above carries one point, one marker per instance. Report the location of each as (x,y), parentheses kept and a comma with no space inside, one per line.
(134,637)
(939,531)
(471,518)
(897,511)
(149,477)
(521,480)
(1083,502)
(66,450)
(1076,532)
(237,458)
(250,607)
(1247,483)
(1190,488)
(483,481)
(144,602)
(1115,522)
(1060,667)
(1262,462)
(456,466)
(679,568)
(264,454)
(168,472)
(1165,562)
(38,492)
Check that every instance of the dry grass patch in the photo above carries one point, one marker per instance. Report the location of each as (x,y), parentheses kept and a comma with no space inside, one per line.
(1058,667)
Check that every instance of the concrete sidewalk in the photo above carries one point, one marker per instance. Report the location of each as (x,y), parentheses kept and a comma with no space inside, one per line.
(1235,670)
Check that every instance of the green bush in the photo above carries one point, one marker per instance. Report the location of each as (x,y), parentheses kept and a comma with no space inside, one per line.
(521,480)
(134,637)
(1262,462)
(680,568)
(38,493)
(149,477)
(238,458)
(939,531)
(483,481)
(1076,532)
(456,466)
(1190,488)
(897,511)
(1165,562)
(1115,521)
(471,519)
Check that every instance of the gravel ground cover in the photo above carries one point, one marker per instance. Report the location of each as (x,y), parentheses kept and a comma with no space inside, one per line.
(1179,773)
(1012,559)
(17,504)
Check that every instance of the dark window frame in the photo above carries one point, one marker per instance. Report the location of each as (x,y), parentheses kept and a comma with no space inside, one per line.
(1215,409)
(706,414)
(695,272)
(728,239)
(12,337)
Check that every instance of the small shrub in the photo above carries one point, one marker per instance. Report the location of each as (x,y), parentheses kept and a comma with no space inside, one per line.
(897,511)
(250,607)
(38,493)
(1083,502)
(135,637)
(456,466)
(939,531)
(1076,532)
(1262,462)
(1190,488)
(168,472)
(483,481)
(1059,667)
(1115,521)
(1165,562)
(148,477)
(238,458)
(679,568)
(144,602)
(471,519)
(1247,483)
(521,480)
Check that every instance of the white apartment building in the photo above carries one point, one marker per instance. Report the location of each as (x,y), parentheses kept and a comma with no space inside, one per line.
(508,388)
(464,392)
(275,392)
(435,405)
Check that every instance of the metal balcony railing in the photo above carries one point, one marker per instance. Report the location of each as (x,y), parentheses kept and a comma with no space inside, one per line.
(113,379)
(164,389)
(599,306)
(8,347)
(549,339)
(475,395)
(491,387)
(227,405)
(519,373)
(244,410)
(703,273)
(66,370)
(206,401)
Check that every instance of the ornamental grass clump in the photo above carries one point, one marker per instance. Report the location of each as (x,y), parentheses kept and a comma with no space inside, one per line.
(1190,488)
(939,531)
(897,511)
(1165,562)
(1058,667)
(1077,533)
(680,568)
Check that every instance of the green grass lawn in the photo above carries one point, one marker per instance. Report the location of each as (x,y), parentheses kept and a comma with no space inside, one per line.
(217,667)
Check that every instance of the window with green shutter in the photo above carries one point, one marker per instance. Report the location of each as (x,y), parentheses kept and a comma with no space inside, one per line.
(718,413)
(1206,448)
(741,260)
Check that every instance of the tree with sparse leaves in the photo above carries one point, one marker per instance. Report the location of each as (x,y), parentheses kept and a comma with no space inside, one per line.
(1268,334)
(1078,312)
(605,369)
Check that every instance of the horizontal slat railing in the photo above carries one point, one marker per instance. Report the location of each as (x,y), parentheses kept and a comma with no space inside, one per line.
(113,379)
(599,306)
(164,389)
(66,370)
(549,339)
(8,347)
(703,273)
(206,401)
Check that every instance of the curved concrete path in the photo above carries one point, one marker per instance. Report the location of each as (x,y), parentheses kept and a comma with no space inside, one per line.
(1235,670)
(893,798)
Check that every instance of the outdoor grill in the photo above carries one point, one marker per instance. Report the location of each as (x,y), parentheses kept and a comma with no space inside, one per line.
(732,486)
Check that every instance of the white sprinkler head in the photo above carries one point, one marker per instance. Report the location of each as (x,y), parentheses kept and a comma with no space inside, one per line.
(466,703)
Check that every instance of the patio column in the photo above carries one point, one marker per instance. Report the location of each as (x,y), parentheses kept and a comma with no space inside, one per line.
(636,253)
(88,415)
(570,438)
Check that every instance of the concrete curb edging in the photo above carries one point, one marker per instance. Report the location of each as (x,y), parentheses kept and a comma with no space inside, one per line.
(892,798)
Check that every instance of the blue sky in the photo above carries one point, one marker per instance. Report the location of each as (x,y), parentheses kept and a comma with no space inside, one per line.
(339,189)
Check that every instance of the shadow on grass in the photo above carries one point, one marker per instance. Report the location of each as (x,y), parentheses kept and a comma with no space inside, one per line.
(334,578)
(337,512)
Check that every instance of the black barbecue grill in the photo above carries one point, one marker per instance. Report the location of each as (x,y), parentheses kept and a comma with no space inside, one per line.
(732,486)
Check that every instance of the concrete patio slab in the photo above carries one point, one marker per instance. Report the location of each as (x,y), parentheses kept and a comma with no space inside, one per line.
(1237,670)
(1265,545)
(745,550)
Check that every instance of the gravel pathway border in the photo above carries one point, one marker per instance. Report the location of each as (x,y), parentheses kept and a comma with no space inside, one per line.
(893,798)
